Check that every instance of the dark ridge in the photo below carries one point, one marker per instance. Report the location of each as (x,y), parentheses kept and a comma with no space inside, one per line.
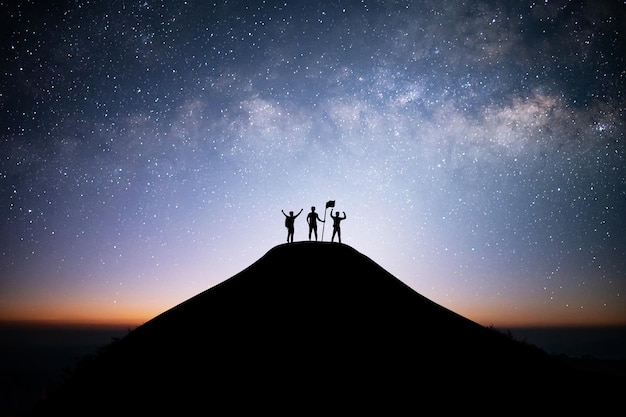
(319,327)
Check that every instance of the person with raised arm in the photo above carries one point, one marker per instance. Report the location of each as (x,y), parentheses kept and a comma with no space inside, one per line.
(289,224)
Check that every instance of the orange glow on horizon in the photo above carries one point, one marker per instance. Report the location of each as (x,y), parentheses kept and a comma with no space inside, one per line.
(79,315)
(545,317)
(132,318)
(133,309)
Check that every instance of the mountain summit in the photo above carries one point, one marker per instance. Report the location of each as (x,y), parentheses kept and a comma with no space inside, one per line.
(317,327)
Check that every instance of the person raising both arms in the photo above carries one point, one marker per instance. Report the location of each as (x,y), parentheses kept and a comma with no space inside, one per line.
(336,225)
(289,224)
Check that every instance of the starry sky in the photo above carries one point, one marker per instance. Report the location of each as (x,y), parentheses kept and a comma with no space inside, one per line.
(477,148)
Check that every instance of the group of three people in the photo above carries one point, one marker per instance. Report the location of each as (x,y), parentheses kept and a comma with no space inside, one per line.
(312,219)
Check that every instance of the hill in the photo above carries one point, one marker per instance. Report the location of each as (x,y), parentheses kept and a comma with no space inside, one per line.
(319,327)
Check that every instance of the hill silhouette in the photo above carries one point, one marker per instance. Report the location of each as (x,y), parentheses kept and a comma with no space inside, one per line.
(319,327)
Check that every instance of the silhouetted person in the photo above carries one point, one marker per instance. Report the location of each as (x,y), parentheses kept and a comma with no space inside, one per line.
(336,227)
(289,221)
(312,219)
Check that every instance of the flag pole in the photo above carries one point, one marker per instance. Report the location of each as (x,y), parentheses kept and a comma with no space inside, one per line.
(329,203)
(324,225)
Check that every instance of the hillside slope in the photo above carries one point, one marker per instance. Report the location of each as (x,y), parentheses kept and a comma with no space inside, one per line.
(319,327)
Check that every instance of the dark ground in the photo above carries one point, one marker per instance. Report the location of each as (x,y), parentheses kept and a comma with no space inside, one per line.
(354,338)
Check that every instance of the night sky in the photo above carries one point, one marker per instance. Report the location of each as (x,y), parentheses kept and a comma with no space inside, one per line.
(477,148)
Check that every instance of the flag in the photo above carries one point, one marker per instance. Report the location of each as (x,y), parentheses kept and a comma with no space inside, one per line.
(330,203)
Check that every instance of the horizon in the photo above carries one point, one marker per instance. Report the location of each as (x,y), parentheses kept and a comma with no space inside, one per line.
(35,351)
(125,323)
(478,151)
(354,321)
(601,342)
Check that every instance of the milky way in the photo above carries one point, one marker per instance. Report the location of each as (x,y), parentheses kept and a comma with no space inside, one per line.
(477,149)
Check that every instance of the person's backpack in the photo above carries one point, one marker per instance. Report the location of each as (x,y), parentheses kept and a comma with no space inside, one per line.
(286,221)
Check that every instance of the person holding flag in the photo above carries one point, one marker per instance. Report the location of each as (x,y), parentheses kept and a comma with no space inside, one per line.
(312,219)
